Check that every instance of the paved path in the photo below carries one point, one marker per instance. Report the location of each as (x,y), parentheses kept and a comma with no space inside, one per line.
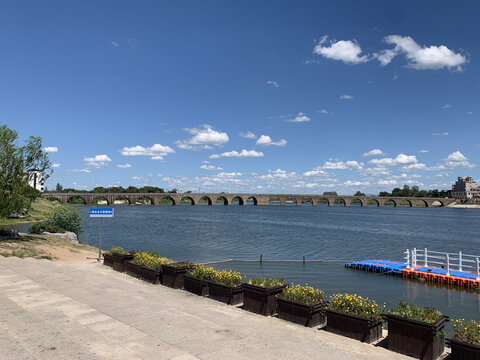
(53,310)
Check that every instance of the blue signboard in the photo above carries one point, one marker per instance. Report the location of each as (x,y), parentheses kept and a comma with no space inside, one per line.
(101,212)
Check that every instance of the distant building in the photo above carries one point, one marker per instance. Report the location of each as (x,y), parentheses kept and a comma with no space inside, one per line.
(465,188)
(35,180)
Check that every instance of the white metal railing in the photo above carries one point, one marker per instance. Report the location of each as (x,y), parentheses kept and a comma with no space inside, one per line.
(448,261)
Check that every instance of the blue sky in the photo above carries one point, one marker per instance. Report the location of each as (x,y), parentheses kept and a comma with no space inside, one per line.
(246,96)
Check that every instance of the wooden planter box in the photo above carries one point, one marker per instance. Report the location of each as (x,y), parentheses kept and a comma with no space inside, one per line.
(227,294)
(261,300)
(132,269)
(352,326)
(463,351)
(120,261)
(195,285)
(307,315)
(152,276)
(416,338)
(108,259)
(173,276)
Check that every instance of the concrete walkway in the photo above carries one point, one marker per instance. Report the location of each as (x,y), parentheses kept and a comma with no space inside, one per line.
(54,310)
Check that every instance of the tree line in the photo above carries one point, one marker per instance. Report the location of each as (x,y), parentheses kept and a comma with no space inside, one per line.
(414,191)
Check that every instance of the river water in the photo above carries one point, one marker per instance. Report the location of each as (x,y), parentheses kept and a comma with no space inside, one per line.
(344,234)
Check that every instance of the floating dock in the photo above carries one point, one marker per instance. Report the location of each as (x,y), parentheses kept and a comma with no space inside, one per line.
(444,273)
(379,265)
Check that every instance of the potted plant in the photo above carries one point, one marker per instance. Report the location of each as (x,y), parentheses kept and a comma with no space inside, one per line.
(120,258)
(355,317)
(302,305)
(150,265)
(226,286)
(172,274)
(415,331)
(196,279)
(465,344)
(259,295)
(108,258)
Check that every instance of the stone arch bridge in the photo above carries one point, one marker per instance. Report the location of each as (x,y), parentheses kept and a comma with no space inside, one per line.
(244,199)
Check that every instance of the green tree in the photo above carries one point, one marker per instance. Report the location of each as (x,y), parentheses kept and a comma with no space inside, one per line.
(359,193)
(15,164)
(59,187)
(329,193)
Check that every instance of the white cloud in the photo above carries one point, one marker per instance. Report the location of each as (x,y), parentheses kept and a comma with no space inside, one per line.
(340,165)
(301,117)
(469,112)
(266,140)
(248,135)
(374,152)
(356,183)
(229,174)
(421,58)
(242,154)
(387,182)
(79,170)
(97,161)
(446,106)
(440,134)
(376,171)
(50,149)
(345,97)
(401,159)
(311,185)
(210,167)
(55,165)
(204,137)
(124,166)
(273,83)
(347,51)
(322,111)
(315,172)
(417,166)
(156,151)
(423,151)
(457,159)
(114,44)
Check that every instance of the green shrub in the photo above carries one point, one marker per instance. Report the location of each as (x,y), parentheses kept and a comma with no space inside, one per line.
(68,219)
(303,294)
(266,282)
(413,312)
(39,228)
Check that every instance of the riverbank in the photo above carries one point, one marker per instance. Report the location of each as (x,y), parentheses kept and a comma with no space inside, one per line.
(48,247)
(88,311)
(464,206)
(39,212)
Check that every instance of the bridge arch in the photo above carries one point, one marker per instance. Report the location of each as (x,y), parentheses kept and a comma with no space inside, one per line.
(291,200)
(420,203)
(167,200)
(144,200)
(54,198)
(356,202)
(373,202)
(323,201)
(252,200)
(237,200)
(121,200)
(99,200)
(205,200)
(437,203)
(339,202)
(306,200)
(275,200)
(405,203)
(184,200)
(222,200)
(76,200)
(391,202)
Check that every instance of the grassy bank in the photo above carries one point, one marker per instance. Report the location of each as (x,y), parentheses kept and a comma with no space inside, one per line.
(39,211)
(46,247)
